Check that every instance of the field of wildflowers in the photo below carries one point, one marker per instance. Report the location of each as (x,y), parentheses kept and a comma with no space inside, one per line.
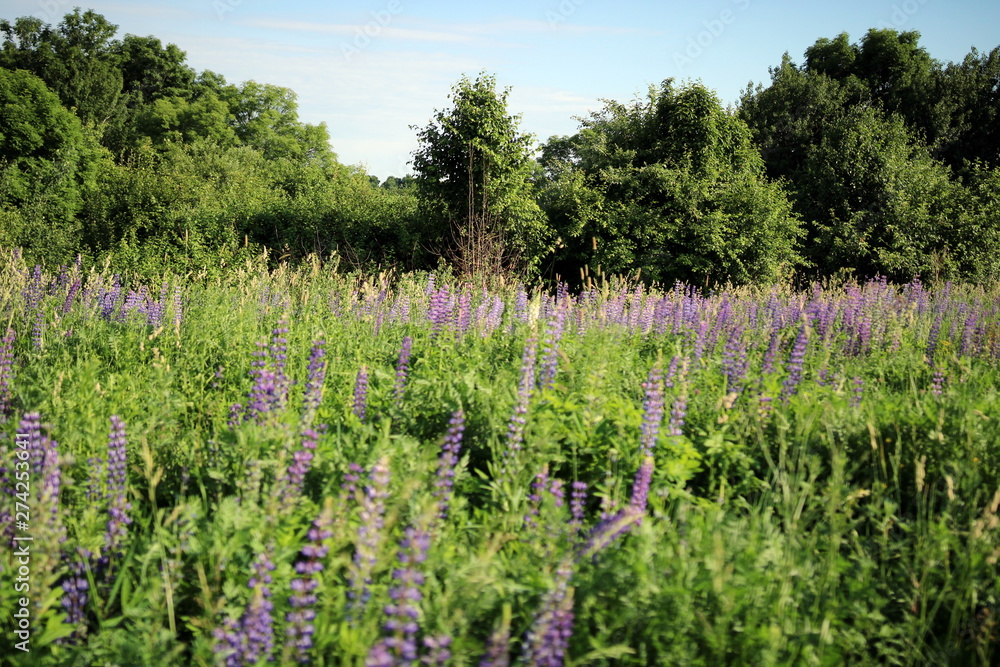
(301,467)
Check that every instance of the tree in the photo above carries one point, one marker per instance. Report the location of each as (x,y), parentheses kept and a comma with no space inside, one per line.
(76,60)
(472,169)
(47,164)
(671,185)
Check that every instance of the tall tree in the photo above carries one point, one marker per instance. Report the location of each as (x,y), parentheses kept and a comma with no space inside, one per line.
(76,60)
(47,164)
(671,185)
(472,172)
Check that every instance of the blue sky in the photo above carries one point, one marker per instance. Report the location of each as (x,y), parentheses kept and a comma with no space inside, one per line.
(371,69)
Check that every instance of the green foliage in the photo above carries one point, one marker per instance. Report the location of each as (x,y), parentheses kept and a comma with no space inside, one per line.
(852,521)
(672,187)
(871,139)
(472,170)
(47,168)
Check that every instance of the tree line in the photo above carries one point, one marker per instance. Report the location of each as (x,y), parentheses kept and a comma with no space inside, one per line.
(867,158)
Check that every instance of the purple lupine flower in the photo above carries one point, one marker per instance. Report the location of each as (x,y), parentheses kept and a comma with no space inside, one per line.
(74,597)
(258,625)
(402,368)
(252,638)
(302,601)
(34,291)
(351,478)
(402,613)
(700,340)
(6,375)
(437,650)
(550,358)
(118,518)
(771,356)
(518,420)
(546,641)
(43,454)
(447,461)
(652,409)
(734,360)
(439,311)
(109,299)
(859,390)
(937,383)
(361,393)
(495,316)
(73,289)
(795,363)
(643,479)
(291,483)
(316,374)
(521,305)
(969,332)
(372,513)
(97,481)
(610,528)
(538,485)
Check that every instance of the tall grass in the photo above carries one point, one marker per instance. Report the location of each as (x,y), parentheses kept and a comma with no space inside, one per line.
(824,486)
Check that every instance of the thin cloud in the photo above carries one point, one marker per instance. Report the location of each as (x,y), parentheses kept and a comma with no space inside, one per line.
(350,30)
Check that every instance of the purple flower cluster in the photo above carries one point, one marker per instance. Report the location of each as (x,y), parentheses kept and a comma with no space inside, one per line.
(937,382)
(795,363)
(316,374)
(652,409)
(447,461)
(546,641)
(303,600)
(269,394)
(251,639)
(43,455)
(859,390)
(402,368)
(118,518)
(643,479)
(372,516)
(440,310)
(75,588)
(498,648)
(403,611)
(71,295)
(290,486)
(550,357)
(6,374)
(360,406)
(734,360)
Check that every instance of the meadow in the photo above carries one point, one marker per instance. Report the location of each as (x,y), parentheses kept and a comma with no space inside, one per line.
(298,466)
